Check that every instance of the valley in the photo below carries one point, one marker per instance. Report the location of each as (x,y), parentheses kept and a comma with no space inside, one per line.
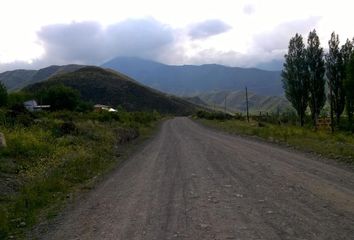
(176,120)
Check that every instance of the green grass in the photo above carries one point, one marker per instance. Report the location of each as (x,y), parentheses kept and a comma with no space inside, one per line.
(48,167)
(339,145)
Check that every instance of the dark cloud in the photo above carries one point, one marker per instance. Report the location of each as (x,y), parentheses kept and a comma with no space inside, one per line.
(278,38)
(208,28)
(91,43)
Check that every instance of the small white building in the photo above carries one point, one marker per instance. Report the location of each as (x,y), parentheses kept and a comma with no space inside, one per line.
(100,107)
(32,106)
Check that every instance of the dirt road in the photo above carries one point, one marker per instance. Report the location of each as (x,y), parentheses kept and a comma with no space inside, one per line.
(190,182)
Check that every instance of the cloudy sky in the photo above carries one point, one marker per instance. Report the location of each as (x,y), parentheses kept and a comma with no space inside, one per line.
(246,33)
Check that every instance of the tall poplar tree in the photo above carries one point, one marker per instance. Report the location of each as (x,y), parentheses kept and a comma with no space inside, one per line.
(348,59)
(294,78)
(334,71)
(346,52)
(315,73)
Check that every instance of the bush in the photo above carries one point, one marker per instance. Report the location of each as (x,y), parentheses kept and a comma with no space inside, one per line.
(214,115)
(18,98)
(3,95)
(24,143)
(144,118)
(3,223)
(67,128)
(18,114)
(84,107)
(126,135)
(59,97)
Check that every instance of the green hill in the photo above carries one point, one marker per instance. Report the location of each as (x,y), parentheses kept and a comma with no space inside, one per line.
(101,86)
(17,79)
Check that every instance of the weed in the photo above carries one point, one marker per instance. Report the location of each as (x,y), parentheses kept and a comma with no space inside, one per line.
(339,145)
(57,154)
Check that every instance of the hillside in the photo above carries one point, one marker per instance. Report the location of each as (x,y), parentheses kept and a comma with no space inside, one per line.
(18,79)
(236,101)
(15,79)
(102,86)
(197,101)
(191,80)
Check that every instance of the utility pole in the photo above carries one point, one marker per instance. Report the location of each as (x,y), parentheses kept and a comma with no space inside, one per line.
(248,117)
(331,98)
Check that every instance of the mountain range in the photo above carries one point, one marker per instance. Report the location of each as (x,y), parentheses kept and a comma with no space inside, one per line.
(190,80)
(102,86)
(205,85)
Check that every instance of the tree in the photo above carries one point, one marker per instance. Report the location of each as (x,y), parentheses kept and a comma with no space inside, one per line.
(347,51)
(334,66)
(17,98)
(3,95)
(315,74)
(59,97)
(349,87)
(294,78)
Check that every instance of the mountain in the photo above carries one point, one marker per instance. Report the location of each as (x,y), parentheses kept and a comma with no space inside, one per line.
(102,86)
(18,79)
(197,101)
(189,80)
(236,101)
(15,79)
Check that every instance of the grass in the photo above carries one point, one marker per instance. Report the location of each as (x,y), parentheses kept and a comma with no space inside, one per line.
(47,165)
(339,145)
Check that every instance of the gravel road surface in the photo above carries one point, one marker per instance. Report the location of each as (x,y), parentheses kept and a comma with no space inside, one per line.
(191,182)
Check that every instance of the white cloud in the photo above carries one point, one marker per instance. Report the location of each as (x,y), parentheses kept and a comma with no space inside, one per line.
(278,37)
(256,30)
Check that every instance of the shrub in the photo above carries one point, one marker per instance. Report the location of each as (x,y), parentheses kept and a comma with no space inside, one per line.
(27,143)
(214,115)
(18,98)
(18,114)
(67,128)
(3,95)
(3,223)
(84,106)
(59,97)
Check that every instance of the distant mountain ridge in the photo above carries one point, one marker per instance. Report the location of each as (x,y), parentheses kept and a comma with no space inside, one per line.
(102,86)
(190,80)
(17,79)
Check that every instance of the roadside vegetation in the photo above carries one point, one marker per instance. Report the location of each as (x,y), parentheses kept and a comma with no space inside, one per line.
(282,129)
(311,78)
(320,88)
(51,155)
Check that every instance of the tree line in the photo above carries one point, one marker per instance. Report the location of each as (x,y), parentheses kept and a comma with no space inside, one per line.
(311,77)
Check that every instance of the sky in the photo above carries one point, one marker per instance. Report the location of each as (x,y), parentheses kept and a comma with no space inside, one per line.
(243,33)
